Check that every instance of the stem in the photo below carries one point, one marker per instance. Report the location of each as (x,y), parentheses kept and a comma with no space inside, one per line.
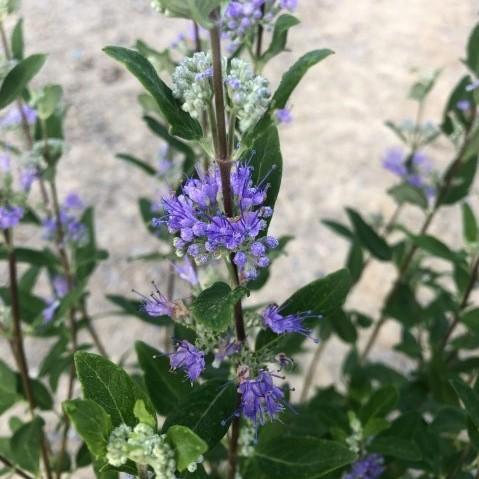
(311,373)
(404,266)
(170,291)
(259,40)
(196,32)
(463,304)
(225,168)
(18,342)
(15,468)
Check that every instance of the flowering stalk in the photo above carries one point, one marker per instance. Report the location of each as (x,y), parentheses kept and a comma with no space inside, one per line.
(224,162)
(406,262)
(18,344)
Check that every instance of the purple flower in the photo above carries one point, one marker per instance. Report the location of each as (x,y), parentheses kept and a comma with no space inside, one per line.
(260,398)
(226,348)
(473,85)
(205,232)
(13,117)
(464,105)
(73,201)
(5,163)
(60,286)
(27,176)
(290,323)
(290,5)
(185,270)
(188,358)
(10,216)
(368,467)
(49,311)
(284,116)
(157,304)
(394,161)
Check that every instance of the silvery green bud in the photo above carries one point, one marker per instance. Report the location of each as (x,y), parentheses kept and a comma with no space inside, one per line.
(248,92)
(191,83)
(117,449)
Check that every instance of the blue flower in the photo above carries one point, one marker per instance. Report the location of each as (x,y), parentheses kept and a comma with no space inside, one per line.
(261,400)
(156,304)
(185,270)
(10,216)
(283,115)
(368,467)
(283,324)
(13,117)
(188,358)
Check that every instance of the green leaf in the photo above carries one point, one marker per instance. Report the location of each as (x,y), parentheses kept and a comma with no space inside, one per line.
(143,415)
(25,445)
(280,37)
(188,446)
(396,447)
(48,101)
(142,165)
(8,387)
(182,124)
(469,224)
(324,296)
(19,77)
(339,229)
(213,308)
(267,162)
(405,193)
(200,11)
(41,396)
(462,181)
(342,325)
(452,114)
(420,89)
(300,457)
(370,240)
(17,40)
(355,261)
(472,59)
(379,404)
(434,247)
(470,319)
(294,75)
(110,386)
(31,256)
(207,411)
(469,398)
(92,423)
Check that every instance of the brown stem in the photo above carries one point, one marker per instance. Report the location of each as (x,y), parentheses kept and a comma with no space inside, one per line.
(15,468)
(404,266)
(225,164)
(311,373)
(196,31)
(18,342)
(464,301)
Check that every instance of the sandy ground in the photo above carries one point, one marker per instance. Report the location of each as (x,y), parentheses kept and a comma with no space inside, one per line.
(331,151)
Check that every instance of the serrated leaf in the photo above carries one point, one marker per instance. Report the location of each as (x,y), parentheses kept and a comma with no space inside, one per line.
(207,411)
(92,423)
(19,77)
(182,124)
(300,458)
(293,76)
(188,446)
(110,387)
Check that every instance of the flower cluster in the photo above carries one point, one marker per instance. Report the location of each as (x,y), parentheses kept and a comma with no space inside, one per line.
(205,232)
(242,17)
(248,92)
(191,83)
(189,358)
(143,446)
(415,169)
(72,228)
(10,216)
(15,115)
(260,398)
(60,290)
(368,467)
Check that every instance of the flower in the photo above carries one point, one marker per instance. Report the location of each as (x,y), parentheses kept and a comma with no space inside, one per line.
(184,269)
(60,289)
(48,312)
(473,85)
(415,169)
(10,216)
(290,323)
(15,115)
(283,115)
(260,398)
(368,467)
(27,176)
(464,105)
(205,232)
(226,348)
(189,358)
(157,304)
(242,17)
(72,228)
(5,163)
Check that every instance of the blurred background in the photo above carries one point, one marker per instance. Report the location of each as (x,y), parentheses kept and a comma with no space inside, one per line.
(332,151)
